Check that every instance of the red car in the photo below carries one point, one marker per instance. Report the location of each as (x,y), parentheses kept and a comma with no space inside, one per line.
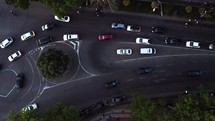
(105,37)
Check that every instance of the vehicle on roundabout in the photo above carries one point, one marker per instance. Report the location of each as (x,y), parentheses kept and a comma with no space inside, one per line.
(193,44)
(5,43)
(14,56)
(124,51)
(63,19)
(19,80)
(27,35)
(44,40)
(105,37)
(48,26)
(30,107)
(141,40)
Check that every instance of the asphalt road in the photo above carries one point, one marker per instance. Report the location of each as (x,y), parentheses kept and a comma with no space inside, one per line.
(96,61)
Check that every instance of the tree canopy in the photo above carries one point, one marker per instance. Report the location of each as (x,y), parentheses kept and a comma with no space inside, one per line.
(53,63)
(195,107)
(61,7)
(58,112)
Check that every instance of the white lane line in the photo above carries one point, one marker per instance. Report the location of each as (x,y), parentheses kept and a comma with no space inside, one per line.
(163,56)
(8,92)
(31,80)
(142,78)
(130,80)
(160,71)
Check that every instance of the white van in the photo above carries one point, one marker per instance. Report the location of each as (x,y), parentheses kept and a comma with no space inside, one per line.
(147,51)
(70,37)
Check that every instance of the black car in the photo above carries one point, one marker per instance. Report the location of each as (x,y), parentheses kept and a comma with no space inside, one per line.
(100,105)
(99,11)
(112,84)
(48,26)
(172,41)
(119,99)
(44,40)
(144,70)
(86,111)
(196,73)
(19,80)
(158,30)
(0,66)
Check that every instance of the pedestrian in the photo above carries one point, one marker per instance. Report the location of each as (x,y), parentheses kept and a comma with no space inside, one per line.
(11,11)
(185,24)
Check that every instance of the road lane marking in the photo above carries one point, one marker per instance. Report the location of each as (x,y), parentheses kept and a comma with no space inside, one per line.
(163,56)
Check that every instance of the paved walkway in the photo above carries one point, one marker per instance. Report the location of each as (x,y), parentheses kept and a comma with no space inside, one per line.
(119,113)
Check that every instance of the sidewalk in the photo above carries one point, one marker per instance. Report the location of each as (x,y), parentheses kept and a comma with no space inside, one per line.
(119,113)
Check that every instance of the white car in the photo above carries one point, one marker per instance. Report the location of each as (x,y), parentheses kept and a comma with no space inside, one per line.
(70,37)
(133,28)
(124,51)
(27,35)
(212,46)
(193,44)
(14,56)
(30,107)
(6,42)
(140,40)
(147,51)
(63,19)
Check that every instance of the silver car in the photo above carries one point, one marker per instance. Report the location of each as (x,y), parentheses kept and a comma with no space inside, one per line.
(27,35)
(6,42)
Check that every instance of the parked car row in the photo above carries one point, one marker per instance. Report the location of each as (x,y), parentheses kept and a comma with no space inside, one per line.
(174,41)
(103,104)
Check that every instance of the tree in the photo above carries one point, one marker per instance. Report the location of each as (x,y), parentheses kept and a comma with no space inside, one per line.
(154,4)
(61,7)
(188,9)
(126,2)
(22,116)
(60,112)
(196,107)
(142,109)
(24,4)
(53,63)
